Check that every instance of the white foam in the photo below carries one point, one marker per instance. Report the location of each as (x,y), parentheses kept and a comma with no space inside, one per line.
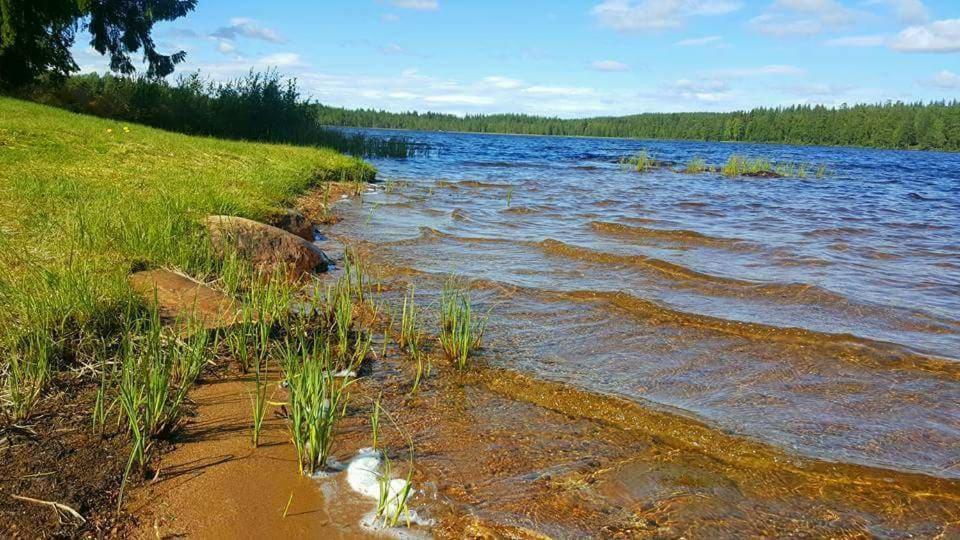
(363,475)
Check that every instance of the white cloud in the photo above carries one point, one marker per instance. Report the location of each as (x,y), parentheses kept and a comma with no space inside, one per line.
(936,37)
(389,17)
(947,80)
(557,91)
(248,28)
(908,11)
(772,69)
(393,49)
(700,91)
(284,59)
(460,99)
(695,42)
(802,18)
(875,40)
(503,83)
(609,65)
(645,15)
(226,47)
(419,5)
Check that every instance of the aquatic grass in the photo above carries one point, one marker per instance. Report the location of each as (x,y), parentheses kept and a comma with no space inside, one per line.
(697,166)
(317,400)
(509,195)
(640,162)
(738,165)
(375,420)
(461,332)
(258,400)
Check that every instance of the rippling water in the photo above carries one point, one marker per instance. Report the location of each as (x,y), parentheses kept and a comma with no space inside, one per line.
(820,315)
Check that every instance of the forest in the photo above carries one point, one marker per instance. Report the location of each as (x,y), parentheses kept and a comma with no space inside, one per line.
(924,126)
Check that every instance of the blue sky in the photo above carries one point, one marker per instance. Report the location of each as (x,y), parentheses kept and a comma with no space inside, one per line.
(578,58)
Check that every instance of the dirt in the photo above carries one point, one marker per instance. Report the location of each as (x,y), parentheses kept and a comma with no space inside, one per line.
(56,456)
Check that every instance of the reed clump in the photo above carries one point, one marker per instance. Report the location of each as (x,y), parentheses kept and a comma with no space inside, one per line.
(642,161)
(461,330)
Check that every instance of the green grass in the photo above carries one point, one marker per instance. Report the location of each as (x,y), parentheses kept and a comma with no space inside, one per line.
(740,166)
(84,201)
(640,162)
(461,331)
(697,166)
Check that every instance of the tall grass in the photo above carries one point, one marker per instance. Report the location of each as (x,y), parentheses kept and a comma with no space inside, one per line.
(461,331)
(740,166)
(697,166)
(258,107)
(641,162)
(317,400)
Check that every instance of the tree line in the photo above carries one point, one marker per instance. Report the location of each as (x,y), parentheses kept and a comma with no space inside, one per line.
(927,126)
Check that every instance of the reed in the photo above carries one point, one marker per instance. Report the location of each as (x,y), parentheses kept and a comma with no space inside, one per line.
(258,399)
(461,331)
(375,420)
(509,195)
(317,400)
(642,161)
(697,166)
(739,166)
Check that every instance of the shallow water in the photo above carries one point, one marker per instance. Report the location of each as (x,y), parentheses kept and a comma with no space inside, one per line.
(821,315)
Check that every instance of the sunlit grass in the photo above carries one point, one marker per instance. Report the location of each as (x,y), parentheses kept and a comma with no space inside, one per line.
(461,331)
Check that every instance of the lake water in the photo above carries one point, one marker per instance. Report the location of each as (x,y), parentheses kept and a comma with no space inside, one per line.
(821,315)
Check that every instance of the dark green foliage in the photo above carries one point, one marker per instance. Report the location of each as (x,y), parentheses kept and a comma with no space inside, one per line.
(259,107)
(36,35)
(935,125)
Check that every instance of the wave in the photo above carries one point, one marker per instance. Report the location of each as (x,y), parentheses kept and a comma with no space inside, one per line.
(874,353)
(681,236)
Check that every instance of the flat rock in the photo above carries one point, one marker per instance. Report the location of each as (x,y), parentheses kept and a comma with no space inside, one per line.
(266,246)
(294,222)
(183,300)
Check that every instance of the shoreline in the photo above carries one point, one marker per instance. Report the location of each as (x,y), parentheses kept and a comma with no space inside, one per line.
(750,464)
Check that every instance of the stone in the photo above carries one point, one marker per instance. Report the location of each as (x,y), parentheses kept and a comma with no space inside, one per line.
(294,222)
(269,248)
(184,301)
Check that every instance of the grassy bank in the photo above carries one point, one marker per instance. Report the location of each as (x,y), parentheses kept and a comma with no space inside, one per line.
(83,201)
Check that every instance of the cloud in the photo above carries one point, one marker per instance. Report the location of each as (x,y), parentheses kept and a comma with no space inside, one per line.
(419,5)
(696,42)
(394,49)
(284,59)
(707,91)
(947,80)
(557,91)
(802,18)
(389,17)
(609,65)
(226,47)
(646,15)
(771,69)
(874,40)
(936,37)
(248,28)
(908,11)
(503,83)
(460,99)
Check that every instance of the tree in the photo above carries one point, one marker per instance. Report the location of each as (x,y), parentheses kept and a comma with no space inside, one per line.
(36,35)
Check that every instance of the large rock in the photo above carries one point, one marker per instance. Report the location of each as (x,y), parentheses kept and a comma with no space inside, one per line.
(294,222)
(184,301)
(269,248)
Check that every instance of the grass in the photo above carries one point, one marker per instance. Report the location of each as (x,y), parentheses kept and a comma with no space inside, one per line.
(640,162)
(461,332)
(317,400)
(84,201)
(697,166)
(740,166)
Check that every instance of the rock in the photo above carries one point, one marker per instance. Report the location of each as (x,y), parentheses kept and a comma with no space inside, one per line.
(182,300)
(266,246)
(296,223)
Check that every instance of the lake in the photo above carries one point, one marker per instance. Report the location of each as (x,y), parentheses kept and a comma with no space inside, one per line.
(820,315)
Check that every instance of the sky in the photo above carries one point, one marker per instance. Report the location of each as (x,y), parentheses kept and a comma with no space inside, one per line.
(573,58)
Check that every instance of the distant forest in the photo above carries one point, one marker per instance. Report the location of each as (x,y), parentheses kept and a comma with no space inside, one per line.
(930,126)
